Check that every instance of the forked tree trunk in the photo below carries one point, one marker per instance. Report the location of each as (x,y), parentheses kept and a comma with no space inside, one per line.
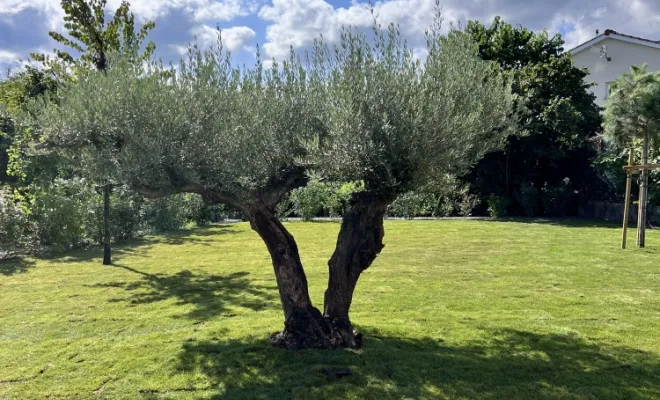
(304,325)
(359,242)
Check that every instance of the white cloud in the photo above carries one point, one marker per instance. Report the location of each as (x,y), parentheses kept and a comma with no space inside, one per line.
(51,8)
(8,57)
(633,17)
(220,11)
(199,10)
(238,37)
(298,22)
(233,38)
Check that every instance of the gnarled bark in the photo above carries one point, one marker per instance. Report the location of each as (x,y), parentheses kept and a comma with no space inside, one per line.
(304,325)
(359,242)
(291,279)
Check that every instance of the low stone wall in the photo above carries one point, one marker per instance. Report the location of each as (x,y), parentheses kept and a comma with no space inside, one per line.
(614,212)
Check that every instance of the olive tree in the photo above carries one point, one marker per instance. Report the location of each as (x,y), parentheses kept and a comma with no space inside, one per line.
(363,110)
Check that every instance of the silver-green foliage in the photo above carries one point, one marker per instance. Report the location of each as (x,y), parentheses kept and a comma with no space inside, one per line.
(364,110)
(398,124)
(206,125)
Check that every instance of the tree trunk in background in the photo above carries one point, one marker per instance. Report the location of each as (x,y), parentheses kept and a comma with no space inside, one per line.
(304,325)
(643,195)
(359,242)
(107,260)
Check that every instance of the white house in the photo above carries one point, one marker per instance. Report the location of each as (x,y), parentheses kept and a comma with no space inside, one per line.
(611,54)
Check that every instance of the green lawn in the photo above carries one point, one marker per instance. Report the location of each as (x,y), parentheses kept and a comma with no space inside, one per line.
(451,309)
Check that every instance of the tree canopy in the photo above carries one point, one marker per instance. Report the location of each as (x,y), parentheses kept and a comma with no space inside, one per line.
(365,110)
(94,38)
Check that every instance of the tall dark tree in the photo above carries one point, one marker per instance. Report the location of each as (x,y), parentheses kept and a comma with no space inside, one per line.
(95,40)
(562,115)
(366,110)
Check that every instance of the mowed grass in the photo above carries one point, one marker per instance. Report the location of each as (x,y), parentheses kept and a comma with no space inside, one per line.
(450,310)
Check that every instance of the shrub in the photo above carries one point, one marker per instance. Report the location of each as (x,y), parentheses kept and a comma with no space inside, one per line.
(59,210)
(339,196)
(466,202)
(558,199)
(17,232)
(445,207)
(413,204)
(498,206)
(125,215)
(204,214)
(169,213)
(309,201)
(528,197)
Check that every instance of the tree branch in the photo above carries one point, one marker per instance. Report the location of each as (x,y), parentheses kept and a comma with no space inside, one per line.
(291,177)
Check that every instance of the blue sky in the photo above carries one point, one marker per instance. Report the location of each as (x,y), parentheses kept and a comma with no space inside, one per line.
(277,24)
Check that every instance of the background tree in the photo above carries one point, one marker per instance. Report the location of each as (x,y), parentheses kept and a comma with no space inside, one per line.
(363,111)
(96,40)
(16,91)
(562,117)
(632,114)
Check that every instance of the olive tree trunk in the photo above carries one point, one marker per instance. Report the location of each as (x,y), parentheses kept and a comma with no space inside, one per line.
(304,325)
(359,242)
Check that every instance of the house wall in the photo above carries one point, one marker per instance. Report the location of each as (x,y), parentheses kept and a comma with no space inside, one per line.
(623,55)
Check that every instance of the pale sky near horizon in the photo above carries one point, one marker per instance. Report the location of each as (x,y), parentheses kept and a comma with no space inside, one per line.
(278,24)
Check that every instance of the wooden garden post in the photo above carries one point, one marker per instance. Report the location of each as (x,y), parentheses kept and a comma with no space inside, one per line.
(643,191)
(626,207)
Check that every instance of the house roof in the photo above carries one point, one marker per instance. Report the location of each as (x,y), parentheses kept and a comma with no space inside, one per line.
(612,34)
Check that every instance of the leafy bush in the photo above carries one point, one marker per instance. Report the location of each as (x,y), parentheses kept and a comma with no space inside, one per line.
(125,215)
(466,202)
(413,204)
(319,198)
(445,207)
(528,197)
(309,201)
(17,232)
(498,206)
(339,196)
(59,210)
(171,213)
(558,199)
(204,214)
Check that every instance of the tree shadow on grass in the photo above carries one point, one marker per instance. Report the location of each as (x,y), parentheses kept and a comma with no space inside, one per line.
(198,235)
(15,266)
(512,365)
(210,295)
(565,222)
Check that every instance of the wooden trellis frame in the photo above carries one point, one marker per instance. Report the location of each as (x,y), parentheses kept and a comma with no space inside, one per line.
(641,224)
